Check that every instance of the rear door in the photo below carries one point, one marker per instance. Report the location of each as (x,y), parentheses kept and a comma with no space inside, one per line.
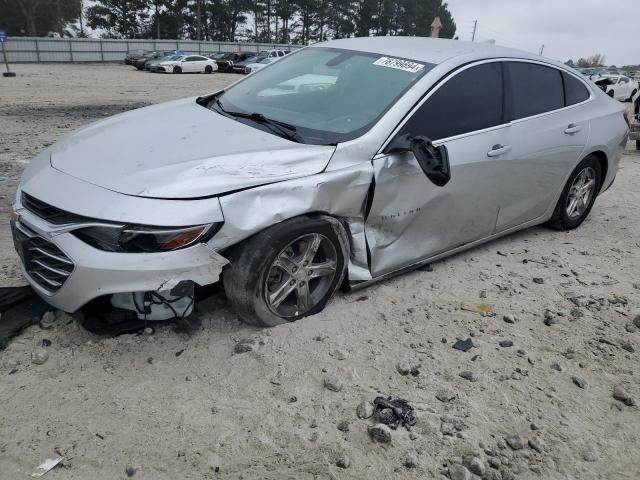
(411,218)
(549,130)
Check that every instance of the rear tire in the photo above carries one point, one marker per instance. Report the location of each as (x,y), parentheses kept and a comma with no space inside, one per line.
(562,219)
(177,69)
(610,93)
(272,261)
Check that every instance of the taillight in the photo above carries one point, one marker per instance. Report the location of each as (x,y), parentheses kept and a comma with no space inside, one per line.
(626,118)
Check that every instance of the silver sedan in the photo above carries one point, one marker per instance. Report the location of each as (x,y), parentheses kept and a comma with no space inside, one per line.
(339,165)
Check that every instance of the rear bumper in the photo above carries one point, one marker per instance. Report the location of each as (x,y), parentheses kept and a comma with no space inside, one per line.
(96,273)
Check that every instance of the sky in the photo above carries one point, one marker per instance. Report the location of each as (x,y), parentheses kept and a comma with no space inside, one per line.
(568,29)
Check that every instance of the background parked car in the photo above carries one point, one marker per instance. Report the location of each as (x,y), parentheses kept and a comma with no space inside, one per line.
(240,67)
(133,55)
(621,87)
(156,61)
(216,55)
(254,67)
(139,63)
(152,65)
(226,63)
(188,64)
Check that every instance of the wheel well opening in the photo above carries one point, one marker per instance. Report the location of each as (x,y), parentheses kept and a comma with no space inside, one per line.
(604,165)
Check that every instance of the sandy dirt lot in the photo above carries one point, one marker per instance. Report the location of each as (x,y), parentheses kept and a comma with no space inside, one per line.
(170,405)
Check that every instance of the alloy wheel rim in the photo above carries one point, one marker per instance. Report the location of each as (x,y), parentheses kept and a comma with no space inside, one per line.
(301,275)
(580,193)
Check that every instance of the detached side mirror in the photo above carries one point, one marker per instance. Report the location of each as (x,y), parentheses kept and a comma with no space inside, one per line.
(434,161)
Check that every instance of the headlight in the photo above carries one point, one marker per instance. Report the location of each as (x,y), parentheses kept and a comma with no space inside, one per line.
(139,239)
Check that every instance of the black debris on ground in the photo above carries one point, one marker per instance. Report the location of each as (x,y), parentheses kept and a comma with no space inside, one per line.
(463,345)
(395,412)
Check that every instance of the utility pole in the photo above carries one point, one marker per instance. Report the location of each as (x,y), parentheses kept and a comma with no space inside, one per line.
(541,49)
(81,26)
(199,22)
(475,25)
(157,18)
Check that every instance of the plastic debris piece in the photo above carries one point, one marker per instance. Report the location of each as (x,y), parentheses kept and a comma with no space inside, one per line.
(47,465)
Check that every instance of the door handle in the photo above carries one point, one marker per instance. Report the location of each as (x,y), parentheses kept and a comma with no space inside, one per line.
(572,128)
(498,150)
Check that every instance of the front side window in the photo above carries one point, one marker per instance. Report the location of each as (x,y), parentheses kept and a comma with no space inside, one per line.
(329,95)
(471,100)
(534,89)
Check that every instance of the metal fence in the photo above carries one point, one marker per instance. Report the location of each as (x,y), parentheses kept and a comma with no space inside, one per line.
(34,50)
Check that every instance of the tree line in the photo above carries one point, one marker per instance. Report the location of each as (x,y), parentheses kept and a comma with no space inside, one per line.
(281,21)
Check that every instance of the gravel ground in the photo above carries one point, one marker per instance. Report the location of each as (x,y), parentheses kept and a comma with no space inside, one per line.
(231,401)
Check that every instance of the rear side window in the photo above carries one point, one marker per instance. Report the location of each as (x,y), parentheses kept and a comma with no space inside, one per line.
(535,89)
(574,90)
(467,102)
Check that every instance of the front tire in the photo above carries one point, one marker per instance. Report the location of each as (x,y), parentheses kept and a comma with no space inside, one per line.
(288,271)
(578,195)
(208,69)
(177,69)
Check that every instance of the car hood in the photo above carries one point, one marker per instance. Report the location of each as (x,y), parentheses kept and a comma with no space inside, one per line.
(182,150)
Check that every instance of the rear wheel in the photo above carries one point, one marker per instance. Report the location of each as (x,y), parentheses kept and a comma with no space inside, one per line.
(610,93)
(288,271)
(177,69)
(208,69)
(578,195)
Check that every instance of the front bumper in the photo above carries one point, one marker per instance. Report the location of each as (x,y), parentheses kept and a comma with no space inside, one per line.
(96,273)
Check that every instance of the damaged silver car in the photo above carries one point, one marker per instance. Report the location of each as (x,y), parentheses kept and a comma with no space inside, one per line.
(341,164)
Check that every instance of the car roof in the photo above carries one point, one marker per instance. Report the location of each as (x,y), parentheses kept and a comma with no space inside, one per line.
(429,50)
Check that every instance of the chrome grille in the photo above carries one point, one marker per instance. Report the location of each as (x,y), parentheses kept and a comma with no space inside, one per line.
(45,263)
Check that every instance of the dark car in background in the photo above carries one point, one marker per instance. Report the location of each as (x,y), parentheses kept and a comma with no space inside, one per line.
(133,55)
(226,64)
(217,55)
(139,63)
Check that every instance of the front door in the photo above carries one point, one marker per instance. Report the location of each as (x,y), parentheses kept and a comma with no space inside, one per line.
(410,217)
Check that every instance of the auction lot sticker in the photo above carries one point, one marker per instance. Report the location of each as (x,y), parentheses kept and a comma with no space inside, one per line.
(399,64)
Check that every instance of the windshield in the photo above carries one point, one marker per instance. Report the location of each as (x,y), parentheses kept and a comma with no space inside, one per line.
(329,95)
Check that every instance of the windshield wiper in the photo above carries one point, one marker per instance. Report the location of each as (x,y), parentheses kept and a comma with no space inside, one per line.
(284,129)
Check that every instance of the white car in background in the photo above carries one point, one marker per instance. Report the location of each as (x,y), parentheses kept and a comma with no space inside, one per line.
(622,87)
(188,64)
(254,67)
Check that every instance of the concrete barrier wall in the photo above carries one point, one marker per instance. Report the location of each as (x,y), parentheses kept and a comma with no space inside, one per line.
(34,50)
